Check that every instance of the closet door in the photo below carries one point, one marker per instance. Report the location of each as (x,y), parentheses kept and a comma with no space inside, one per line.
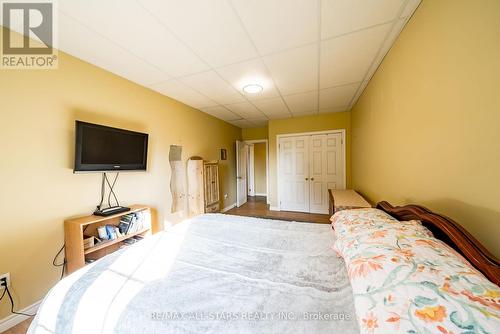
(318,180)
(334,162)
(294,173)
(326,169)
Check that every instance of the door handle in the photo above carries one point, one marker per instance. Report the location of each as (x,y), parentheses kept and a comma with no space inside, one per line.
(238,177)
(307,179)
(312,178)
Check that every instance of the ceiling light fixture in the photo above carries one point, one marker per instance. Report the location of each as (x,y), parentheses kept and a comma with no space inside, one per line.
(253,89)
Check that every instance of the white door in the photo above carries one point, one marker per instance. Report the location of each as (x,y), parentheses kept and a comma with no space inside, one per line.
(241,173)
(309,166)
(294,173)
(326,169)
(317,173)
(335,177)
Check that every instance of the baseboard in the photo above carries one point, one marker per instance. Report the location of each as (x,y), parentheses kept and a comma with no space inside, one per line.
(227,208)
(260,194)
(274,208)
(14,319)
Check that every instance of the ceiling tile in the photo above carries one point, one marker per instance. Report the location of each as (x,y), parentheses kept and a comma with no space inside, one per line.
(347,58)
(360,91)
(411,6)
(343,16)
(303,102)
(160,48)
(210,84)
(249,72)
(305,113)
(243,123)
(183,93)
(260,122)
(332,110)
(272,24)
(280,116)
(261,118)
(101,52)
(393,34)
(245,110)
(221,112)
(295,70)
(210,27)
(336,97)
(272,106)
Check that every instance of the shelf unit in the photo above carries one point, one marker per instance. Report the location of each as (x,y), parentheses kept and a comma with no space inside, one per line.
(74,235)
(108,243)
(203,186)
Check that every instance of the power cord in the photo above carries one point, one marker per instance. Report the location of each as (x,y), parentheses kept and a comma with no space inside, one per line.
(103,186)
(111,189)
(64,262)
(6,290)
(111,186)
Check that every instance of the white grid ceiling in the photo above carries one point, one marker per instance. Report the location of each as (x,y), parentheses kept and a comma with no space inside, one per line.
(311,56)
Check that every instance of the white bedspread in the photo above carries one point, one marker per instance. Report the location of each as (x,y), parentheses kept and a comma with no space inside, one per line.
(213,274)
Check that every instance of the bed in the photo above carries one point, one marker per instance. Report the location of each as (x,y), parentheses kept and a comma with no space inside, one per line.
(230,274)
(406,280)
(212,274)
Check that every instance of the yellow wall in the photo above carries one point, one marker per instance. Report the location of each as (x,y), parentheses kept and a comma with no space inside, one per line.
(259,152)
(321,122)
(427,128)
(38,188)
(254,133)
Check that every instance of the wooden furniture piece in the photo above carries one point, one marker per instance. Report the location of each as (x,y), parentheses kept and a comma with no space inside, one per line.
(451,233)
(74,234)
(203,186)
(211,186)
(345,199)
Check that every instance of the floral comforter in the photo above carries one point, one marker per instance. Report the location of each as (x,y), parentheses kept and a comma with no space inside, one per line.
(406,281)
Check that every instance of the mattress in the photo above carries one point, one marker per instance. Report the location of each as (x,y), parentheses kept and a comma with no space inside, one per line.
(212,274)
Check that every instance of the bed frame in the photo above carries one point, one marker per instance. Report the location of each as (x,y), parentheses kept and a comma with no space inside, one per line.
(452,234)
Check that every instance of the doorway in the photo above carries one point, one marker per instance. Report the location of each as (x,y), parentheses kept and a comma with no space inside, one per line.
(308,165)
(252,166)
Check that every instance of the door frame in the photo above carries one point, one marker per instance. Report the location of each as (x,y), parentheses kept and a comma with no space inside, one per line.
(238,203)
(284,135)
(251,168)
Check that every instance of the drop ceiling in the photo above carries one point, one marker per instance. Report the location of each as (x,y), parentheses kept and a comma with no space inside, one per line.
(310,56)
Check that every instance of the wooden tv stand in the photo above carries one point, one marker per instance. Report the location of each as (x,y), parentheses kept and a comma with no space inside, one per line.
(73,236)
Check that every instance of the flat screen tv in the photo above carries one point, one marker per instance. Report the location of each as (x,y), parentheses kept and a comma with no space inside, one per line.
(102,148)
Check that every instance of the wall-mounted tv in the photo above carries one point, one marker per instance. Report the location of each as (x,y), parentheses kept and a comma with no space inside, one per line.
(102,148)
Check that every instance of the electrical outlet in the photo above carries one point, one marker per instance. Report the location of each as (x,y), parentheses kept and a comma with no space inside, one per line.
(5,280)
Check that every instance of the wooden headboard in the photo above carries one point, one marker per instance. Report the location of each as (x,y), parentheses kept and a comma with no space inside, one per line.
(451,233)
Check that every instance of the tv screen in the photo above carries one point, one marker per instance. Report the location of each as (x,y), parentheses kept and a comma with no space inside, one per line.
(101,148)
